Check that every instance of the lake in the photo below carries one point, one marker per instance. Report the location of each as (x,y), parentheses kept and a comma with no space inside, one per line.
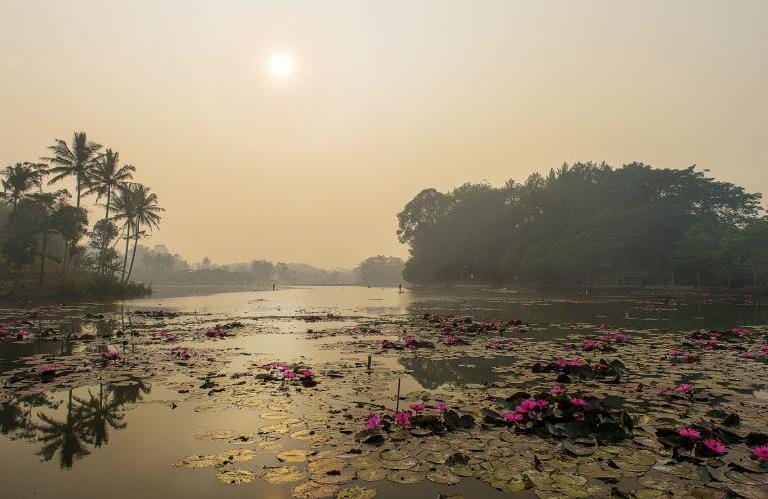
(127,427)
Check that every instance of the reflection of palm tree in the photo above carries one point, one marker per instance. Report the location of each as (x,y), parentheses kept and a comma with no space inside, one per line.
(97,415)
(130,394)
(64,435)
(16,415)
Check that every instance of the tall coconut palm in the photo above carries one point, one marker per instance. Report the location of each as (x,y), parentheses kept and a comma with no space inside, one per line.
(76,159)
(146,214)
(106,176)
(123,208)
(20,178)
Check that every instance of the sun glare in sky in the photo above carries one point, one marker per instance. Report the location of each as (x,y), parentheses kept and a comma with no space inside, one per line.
(281,65)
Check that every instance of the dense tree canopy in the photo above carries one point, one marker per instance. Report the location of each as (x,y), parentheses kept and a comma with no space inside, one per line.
(381,271)
(582,221)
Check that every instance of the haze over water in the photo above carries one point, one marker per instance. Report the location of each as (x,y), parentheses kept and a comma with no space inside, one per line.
(384,99)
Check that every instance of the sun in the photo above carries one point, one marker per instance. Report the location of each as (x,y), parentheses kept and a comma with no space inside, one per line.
(281,65)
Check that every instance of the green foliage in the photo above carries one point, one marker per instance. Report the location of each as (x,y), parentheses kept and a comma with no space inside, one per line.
(381,271)
(579,221)
(43,227)
(262,270)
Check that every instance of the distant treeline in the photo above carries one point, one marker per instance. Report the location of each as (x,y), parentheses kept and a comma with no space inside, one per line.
(159,266)
(589,223)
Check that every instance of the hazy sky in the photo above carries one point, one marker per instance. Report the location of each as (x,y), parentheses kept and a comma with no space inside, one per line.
(388,97)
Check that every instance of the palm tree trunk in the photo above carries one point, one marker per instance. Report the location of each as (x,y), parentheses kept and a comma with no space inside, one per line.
(65,261)
(133,257)
(78,190)
(42,256)
(125,256)
(104,238)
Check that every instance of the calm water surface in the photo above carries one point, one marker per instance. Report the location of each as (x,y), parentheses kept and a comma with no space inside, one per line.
(120,441)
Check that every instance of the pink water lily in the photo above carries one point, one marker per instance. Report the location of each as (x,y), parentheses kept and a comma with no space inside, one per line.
(558,390)
(373,422)
(403,419)
(684,388)
(307,373)
(410,343)
(715,446)
(417,406)
(110,355)
(579,402)
(216,332)
(181,352)
(289,374)
(526,406)
(449,340)
(513,417)
(441,406)
(689,433)
(760,452)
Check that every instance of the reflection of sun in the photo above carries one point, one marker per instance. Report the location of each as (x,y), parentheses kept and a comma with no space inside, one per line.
(281,65)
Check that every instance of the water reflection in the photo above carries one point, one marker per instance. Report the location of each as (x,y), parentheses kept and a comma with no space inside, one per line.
(433,373)
(70,424)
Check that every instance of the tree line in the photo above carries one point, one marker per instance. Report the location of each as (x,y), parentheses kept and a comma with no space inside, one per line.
(44,228)
(589,223)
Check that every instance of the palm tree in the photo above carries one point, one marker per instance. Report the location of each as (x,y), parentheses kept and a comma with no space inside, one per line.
(146,214)
(20,178)
(108,175)
(76,159)
(123,208)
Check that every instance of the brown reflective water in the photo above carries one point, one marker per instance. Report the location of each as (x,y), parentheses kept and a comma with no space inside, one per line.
(120,439)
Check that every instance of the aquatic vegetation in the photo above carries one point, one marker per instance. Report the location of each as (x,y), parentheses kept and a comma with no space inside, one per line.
(715,446)
(373,422)
(689,433)
(537,440)
(558,390)
(216,332)
(110,355)
(403,418)
(760,452)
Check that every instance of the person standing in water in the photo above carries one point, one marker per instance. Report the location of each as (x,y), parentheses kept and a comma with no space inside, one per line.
(273,286)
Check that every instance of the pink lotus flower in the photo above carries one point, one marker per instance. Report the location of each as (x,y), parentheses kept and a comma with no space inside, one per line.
(558,390)
(216,332)
(181,352)
(513,417)
(417,407)
(684,388)
(410,343)
(307,373)
(715,446)
(289,374)
(403,419)
(760,452)
(526,405)
(689,433)
(373,422)
(441,406)
(110,355)
(588,345)
(542,404)
(746,355)
(449,340)
(579,402)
